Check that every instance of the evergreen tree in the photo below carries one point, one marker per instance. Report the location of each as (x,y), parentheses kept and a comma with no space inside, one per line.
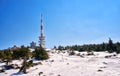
(103,46)
(2,55)
(110,47)
(21,53)
(25,54)
(8,56)
(41,54)
(24,66)
(72,53)
(117,47)
(61,48)
(55,47)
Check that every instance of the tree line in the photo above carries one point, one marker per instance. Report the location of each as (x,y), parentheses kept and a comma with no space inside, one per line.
(110,47)
(24,53)
(21,52)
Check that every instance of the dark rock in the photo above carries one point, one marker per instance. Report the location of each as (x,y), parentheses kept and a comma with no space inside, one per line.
(99,70)
(2,70)
(67,63)
(104,63)
(40,73)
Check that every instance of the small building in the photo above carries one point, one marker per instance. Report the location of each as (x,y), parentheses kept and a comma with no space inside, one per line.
(32,45)
(14,48)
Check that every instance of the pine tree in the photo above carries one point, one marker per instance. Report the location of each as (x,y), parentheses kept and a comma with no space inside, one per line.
(24,66)
(117,47)
(41,54)
(21,52)
(72,53)
(2,55)
(110,47)
(8,56)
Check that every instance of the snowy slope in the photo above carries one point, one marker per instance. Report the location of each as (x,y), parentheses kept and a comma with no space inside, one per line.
(64,65)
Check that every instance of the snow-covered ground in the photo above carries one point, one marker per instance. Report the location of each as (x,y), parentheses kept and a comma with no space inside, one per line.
(64,65)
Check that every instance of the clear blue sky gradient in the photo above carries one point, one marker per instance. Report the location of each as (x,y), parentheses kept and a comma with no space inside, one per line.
(66,22)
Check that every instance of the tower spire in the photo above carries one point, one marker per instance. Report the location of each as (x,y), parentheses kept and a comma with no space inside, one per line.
(42,37)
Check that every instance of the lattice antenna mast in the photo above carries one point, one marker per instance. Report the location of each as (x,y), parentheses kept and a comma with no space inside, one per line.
(42,37)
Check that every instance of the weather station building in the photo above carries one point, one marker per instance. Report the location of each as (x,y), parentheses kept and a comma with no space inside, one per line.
(32,45)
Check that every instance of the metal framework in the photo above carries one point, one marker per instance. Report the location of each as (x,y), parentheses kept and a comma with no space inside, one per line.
(42,37)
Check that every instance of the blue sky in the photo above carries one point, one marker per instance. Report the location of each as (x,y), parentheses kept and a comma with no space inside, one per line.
(66,22)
